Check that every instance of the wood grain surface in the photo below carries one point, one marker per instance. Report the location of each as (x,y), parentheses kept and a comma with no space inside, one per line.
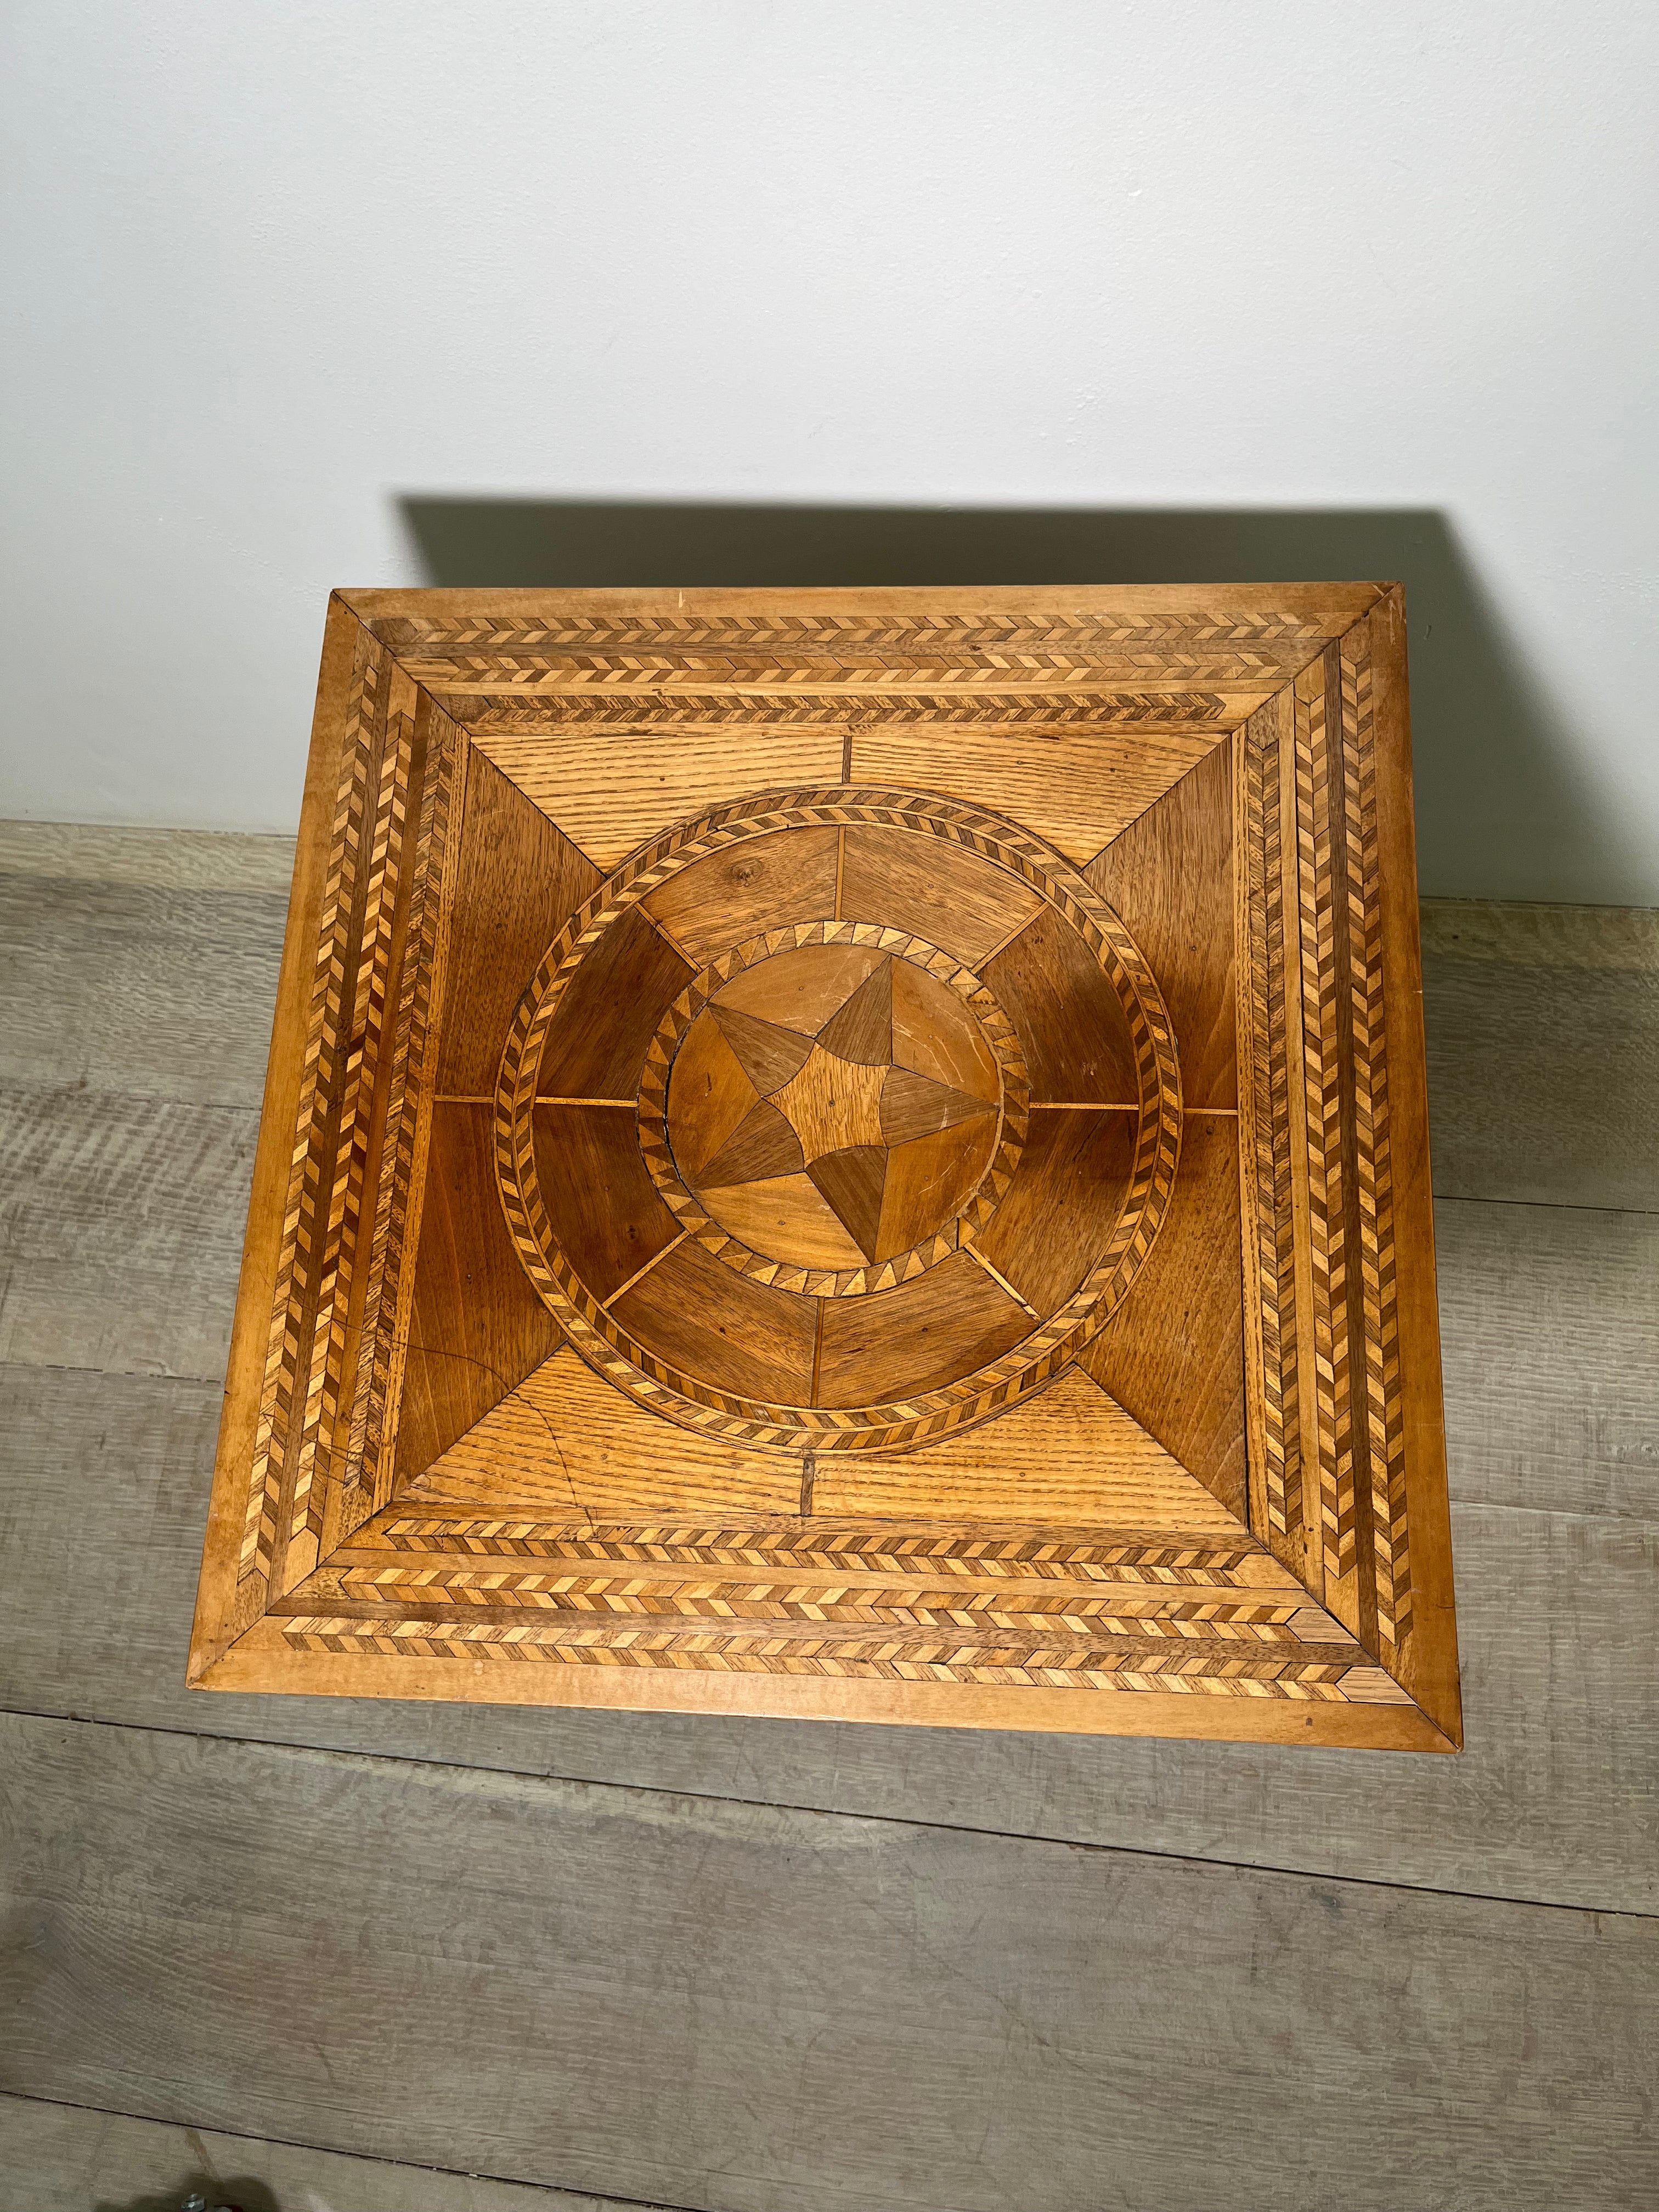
(610,791)
(1563,1401)
(862,1259)
(1170,875)
(1080,792)
(841,1270)
(1504,987)
(627,1984)
(517,879)
(1069,1457)
(542,1448)
(1548,1802)
(119,1230)
(758,886)
(475,1330)
(786,1151)
(1173,1355)
(71,2159)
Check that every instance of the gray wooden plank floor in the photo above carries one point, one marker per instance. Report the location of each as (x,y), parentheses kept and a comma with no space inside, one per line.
(768,2010)
(1379,1925)
(76,2161)
(1550,1802)
(1543,1026)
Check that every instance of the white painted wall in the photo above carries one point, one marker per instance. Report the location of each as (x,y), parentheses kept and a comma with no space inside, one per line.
(273,266)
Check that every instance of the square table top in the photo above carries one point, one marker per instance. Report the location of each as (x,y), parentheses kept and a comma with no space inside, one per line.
(856,1155)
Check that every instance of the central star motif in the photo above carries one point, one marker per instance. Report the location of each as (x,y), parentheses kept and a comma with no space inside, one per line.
(810,1111)
(833,1105)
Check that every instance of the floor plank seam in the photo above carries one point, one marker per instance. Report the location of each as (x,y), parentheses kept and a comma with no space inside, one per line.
(1556,1512)
(525,1776)
(68,1085)
(113,1374)
(1542,1204)
(334,2150)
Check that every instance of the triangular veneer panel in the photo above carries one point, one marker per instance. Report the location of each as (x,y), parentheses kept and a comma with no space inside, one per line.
(1078,790)
(565,1442)
(1071,1456)
(915,1106)
(518,879)
(863,1028)
(611,789)
(769,1056)
(1173,1353)
(477,1328)
(762,1146)
(1169,878)
(852,1183)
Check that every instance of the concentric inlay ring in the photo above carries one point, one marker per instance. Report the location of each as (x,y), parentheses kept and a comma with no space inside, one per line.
(667,1336)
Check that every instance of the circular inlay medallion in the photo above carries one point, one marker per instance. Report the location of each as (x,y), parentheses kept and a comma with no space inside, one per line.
(833,1109)
(837,1119)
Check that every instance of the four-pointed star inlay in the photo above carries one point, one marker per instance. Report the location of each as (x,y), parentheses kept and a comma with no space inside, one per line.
(844,1104)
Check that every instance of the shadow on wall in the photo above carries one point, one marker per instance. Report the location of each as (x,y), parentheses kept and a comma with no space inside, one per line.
(1504,809)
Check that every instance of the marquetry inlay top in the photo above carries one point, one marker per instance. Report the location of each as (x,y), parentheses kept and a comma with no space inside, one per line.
(857,1154)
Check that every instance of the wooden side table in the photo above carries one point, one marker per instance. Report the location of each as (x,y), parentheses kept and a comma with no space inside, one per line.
(850,1154)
